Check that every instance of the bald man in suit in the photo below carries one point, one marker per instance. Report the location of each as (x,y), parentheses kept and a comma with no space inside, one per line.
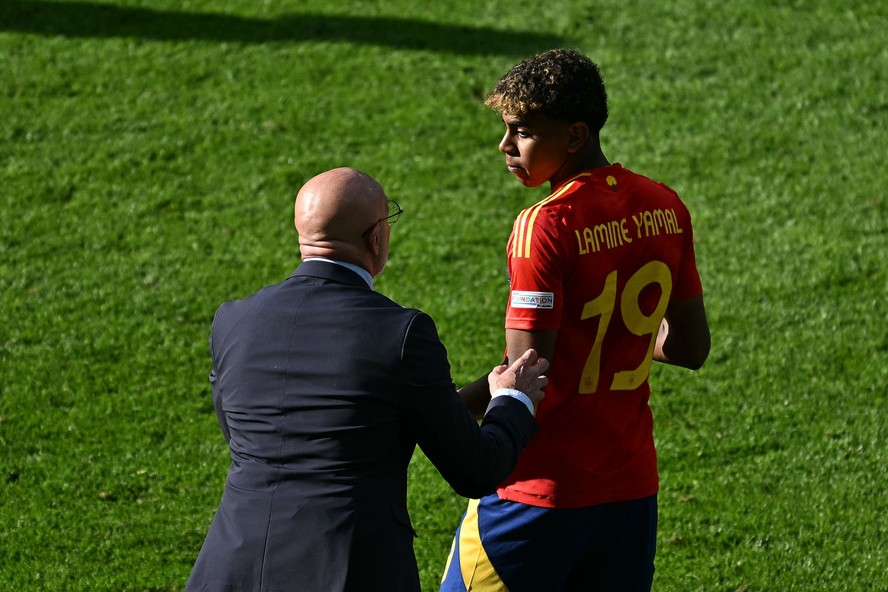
(323,388)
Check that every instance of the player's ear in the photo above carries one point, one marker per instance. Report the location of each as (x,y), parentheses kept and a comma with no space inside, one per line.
(578,136)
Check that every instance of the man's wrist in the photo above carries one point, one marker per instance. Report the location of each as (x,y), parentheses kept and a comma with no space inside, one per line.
(515,394)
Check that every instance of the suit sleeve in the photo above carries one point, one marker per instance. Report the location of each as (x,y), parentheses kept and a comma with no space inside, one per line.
(473,459)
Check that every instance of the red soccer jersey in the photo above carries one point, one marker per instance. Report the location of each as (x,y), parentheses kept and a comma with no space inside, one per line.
(598,260)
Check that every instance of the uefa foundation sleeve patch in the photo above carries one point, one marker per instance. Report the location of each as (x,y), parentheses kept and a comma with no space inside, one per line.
(522,299)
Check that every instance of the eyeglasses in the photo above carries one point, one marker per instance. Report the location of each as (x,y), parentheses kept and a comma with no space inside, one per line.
(394,212)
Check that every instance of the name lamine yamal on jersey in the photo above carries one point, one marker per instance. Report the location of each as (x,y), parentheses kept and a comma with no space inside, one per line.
(608,235)
(615,233)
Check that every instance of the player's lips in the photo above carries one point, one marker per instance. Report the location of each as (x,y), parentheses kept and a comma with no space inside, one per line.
(514,168)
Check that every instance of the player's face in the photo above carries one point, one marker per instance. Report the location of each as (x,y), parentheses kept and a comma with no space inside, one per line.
(535,147)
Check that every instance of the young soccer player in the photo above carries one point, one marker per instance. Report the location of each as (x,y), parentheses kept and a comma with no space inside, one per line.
(603,281)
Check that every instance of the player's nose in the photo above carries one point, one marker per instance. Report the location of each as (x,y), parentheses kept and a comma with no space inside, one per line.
(506,145)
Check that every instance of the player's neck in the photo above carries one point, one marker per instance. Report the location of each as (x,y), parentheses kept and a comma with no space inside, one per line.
(592,158)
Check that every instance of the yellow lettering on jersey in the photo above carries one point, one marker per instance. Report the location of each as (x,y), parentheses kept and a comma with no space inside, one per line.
(640,324)
(602,235)
(649,227)
(655,222)
(603,307)
(608,235)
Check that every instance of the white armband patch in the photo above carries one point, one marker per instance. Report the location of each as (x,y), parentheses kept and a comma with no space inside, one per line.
(522,299)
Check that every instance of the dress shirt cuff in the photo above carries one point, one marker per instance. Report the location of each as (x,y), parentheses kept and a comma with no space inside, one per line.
(515,395)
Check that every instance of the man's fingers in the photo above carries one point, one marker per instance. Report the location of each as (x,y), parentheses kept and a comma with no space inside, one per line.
(524,374)
(527,358)
(541,365)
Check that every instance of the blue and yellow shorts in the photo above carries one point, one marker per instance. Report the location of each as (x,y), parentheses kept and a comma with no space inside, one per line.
(509,546)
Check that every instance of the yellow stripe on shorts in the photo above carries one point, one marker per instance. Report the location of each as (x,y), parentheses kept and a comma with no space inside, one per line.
(477,572)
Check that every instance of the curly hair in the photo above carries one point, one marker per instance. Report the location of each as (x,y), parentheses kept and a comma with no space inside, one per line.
(562,84)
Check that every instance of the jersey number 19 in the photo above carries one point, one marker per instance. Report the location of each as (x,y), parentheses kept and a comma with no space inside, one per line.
(654,272)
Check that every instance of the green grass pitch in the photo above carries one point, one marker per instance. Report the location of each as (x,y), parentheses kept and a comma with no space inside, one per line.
(149,155)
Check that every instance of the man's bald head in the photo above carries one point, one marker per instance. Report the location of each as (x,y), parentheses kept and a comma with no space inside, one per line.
(333,212)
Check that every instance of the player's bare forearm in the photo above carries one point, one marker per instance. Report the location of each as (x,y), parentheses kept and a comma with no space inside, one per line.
(476,396)
(684,338)
(518,342)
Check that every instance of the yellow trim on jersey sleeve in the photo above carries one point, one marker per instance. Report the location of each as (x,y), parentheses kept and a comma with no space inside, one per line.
(523,229)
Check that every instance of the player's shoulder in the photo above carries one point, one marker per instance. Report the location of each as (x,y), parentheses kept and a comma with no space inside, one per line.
(558,199)
(602,182)
(644,182)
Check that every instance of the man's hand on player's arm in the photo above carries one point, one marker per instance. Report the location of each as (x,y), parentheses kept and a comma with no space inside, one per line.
(526,374)
(476,395)
(523,380)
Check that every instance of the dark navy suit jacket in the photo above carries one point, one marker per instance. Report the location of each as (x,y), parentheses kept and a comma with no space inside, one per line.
(323,389)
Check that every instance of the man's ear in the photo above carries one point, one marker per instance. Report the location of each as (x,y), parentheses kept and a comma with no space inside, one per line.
(578,136)
(374,240)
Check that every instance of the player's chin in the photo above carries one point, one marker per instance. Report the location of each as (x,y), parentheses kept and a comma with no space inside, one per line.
(528,181)
(523,177)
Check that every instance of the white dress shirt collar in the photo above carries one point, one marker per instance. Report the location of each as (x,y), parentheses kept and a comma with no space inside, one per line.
(365,275)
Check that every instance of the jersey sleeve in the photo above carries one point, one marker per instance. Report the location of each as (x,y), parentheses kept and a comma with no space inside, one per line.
(687,282)
(537,263)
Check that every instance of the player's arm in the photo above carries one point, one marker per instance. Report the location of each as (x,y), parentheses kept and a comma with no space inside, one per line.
(519,341)
(476,395)
(684,334)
